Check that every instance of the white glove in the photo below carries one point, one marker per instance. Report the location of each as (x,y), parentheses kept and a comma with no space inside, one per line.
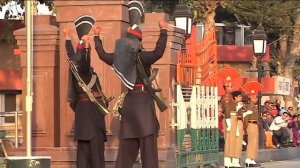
(244,143)
(239,105)
(248,112)
(228,123)
(237,132)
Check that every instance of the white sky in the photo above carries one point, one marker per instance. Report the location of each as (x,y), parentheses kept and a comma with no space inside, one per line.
(42,9)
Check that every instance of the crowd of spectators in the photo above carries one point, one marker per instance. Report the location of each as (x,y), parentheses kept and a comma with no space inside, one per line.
(279,127)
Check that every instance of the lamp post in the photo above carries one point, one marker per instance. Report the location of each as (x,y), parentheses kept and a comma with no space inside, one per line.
(259,49)
(183,19)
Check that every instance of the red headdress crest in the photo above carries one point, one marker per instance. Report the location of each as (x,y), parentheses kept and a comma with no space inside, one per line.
(228,74)
(252,88)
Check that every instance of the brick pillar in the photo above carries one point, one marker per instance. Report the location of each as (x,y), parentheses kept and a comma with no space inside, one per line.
(45,84)
(166,79)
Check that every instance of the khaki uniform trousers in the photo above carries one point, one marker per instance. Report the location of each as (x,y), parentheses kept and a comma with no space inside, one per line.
(252,147)
(233,143)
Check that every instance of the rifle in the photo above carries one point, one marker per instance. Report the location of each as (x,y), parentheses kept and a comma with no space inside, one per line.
(86,89)
(147,81)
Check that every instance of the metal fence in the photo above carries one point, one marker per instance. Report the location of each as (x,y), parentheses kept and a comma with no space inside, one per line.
(197,104)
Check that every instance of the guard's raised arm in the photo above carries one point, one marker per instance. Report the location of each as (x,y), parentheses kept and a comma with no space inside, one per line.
(102,54)
(160,47)
(69,46)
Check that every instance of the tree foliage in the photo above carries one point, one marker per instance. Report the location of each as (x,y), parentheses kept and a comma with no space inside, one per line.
(166,6)
(278,20)
(203,10)
(276,16)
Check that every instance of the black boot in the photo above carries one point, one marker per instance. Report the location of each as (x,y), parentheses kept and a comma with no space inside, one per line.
(252,165)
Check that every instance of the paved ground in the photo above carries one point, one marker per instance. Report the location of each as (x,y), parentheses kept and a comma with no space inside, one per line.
(268,155)
(280,164)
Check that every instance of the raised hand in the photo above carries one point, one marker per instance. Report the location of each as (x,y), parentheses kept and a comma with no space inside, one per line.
(67,33)
(163,25)
(97,30)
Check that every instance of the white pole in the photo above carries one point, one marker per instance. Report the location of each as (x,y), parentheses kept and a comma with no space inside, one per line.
(17,121)
(29,49)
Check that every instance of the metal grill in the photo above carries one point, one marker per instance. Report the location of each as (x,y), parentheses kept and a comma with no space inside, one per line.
(197,131)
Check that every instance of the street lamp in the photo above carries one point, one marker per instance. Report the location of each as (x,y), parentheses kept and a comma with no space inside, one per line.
(183,18)
(259,49)
(259,41)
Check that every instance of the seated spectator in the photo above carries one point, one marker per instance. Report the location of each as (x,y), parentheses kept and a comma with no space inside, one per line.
(280,130)
(291,110)
(298,122)
(298,103)
(295,130)
(265,124)
(277,104)
(274,112)
(268,134)
(269,118)
(267,106)
(283,110)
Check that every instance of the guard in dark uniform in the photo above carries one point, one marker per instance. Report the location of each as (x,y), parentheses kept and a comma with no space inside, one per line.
(252,89)
(90,131)
(139,124)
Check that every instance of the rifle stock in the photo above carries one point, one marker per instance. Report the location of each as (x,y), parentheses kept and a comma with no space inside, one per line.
(160,104)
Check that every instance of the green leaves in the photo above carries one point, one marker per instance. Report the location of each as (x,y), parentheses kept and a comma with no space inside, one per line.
(166,6)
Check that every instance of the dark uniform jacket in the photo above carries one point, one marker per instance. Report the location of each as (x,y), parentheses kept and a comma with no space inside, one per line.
(138,111)
(88,120)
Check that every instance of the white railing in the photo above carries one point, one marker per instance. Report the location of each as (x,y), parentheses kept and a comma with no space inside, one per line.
(202,102)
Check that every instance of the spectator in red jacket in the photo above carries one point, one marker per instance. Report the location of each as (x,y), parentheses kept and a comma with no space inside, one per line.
(274,112)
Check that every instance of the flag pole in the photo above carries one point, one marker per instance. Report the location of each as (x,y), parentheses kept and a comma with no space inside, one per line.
(29,70)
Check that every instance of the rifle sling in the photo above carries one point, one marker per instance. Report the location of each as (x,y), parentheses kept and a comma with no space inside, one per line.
(87,90)
(92,81)
(100,91)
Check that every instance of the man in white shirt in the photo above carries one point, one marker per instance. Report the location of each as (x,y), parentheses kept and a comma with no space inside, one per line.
(280,130)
